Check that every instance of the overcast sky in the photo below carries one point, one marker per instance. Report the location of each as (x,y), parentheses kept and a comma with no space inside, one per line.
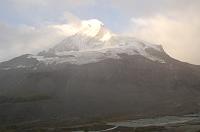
(28,26)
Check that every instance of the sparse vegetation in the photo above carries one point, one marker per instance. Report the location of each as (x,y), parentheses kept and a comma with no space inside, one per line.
(33,98)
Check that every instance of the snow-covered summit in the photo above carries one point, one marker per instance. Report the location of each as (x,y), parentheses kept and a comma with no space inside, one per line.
(95,28)
(94,42)
(92,35)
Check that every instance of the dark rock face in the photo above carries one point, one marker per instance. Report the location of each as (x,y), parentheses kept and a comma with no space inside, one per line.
(130,87)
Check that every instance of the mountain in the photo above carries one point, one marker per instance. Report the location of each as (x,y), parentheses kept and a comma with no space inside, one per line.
(97,74)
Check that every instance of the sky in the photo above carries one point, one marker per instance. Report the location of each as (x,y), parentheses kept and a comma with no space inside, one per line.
(29,26)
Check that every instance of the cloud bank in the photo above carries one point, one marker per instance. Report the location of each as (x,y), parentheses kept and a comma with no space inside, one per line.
(25,39)
(15,41)
(177,30)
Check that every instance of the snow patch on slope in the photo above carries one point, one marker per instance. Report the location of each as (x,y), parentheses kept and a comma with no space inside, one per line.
(111,49)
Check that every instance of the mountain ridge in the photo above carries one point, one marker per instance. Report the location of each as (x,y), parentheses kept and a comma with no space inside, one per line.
(92,43)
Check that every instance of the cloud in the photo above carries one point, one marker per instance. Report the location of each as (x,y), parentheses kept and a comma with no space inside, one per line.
(50,3)
(15,41)
(177,31)
(70,18)
(56,5)
(33,12)
(173,23)
(25,39)
(140,8)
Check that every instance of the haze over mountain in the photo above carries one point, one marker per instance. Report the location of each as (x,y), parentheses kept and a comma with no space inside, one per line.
(94,74)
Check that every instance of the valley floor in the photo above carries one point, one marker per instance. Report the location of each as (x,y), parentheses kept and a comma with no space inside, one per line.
(188,123)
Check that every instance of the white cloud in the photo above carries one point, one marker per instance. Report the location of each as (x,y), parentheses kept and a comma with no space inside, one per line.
(70,18)
(150,7)
(177,31)
(173,23)
(48,4)
(15,41)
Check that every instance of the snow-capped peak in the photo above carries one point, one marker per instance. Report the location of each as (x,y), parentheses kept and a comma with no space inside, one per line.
(94,42)
(91,27)
(92,35)
(94,28)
